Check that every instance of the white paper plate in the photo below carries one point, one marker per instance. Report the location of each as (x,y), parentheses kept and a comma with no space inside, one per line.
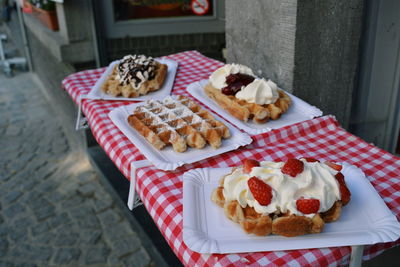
(97,93)
(206,229)
(298,111)
(167,158)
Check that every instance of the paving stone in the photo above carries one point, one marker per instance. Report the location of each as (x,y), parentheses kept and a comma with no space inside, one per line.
(89,222)
(14,210)
(126,246)
(86,177)
(109,217)
(137,259)
(11,197)
(44,212)
(18,234)
(47,186)
(97,255)
(87,190)
(45,238)
(62,218)
(4,229)
(13,130)
(23,222)
(66,255)
(101,205)
(66,239)
(3,246)
(40,228)
(118,230)
(90,236)
(25,264)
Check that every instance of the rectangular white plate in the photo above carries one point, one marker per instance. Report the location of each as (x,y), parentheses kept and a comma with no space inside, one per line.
(97,93)
(206,229)
(167,158)
(297,112)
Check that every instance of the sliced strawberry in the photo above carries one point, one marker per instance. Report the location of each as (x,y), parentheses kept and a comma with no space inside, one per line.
(311,160)
(248,164)
(260,190)
(293,167)
(307,206)
(344,190)
(334,166)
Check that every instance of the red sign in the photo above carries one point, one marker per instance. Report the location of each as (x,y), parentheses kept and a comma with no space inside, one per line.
(200,7)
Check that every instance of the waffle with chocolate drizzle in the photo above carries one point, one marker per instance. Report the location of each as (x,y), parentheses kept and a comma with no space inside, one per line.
(135,75)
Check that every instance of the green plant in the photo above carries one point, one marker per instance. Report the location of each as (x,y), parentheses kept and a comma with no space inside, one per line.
(43,4)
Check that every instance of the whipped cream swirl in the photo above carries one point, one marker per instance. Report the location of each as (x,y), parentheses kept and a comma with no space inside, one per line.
(135,70)
(316,181)
(260,92)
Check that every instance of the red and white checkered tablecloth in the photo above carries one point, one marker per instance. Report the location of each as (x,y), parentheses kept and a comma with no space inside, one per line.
(161,191)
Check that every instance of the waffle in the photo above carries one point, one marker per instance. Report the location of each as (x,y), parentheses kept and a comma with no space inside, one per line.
(178,122)
(244,111)
(284,224)
(114,87)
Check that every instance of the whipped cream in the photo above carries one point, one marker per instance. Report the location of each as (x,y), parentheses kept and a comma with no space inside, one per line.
(218,77)
(260,92)
(316,181)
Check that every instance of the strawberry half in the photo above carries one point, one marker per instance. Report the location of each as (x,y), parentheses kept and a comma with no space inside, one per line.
(260,190)
(311,160)
(334,166)
(293,167)
(307,206)
(248,165)
(344,190)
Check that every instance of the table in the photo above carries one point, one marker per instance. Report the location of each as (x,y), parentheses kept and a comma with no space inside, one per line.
(161,191)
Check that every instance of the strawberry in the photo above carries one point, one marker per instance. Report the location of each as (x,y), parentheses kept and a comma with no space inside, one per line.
(293,167)
(334,166)
(344,190)
(307,206)
(260,190)
(311,160)
(248,164)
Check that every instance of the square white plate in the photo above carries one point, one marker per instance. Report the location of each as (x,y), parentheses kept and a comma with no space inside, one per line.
(167,159)
(97,93)
(297,112)
(206,229)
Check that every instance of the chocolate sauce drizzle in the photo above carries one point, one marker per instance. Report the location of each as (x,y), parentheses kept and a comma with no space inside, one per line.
(136,69)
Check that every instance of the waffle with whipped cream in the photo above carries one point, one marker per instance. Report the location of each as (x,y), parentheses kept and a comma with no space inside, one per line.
(135,75)
(179,122)
(236,89)
(289,198)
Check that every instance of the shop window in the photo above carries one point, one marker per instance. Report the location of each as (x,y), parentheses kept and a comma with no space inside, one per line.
(162,17)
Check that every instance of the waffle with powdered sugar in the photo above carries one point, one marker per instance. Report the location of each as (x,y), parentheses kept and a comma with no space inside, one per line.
(179,122)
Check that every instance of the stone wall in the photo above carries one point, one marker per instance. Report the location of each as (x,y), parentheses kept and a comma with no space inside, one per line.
(309,48)
(210,44)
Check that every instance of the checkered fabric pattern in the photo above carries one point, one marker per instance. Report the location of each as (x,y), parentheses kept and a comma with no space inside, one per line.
(161,191)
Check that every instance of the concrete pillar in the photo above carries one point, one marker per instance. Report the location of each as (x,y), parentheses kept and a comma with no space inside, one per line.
(309,47)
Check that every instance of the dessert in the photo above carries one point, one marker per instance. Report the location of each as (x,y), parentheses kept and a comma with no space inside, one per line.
(289,198)
(135,75)
(236,89)
(178,122)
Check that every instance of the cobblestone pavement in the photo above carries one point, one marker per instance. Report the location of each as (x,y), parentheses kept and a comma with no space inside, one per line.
(53,210)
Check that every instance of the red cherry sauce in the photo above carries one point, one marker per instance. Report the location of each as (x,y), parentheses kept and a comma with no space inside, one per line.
(235,83)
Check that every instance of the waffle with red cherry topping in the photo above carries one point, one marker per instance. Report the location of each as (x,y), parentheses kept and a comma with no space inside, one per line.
(179,122)
(244,111)
(284,224)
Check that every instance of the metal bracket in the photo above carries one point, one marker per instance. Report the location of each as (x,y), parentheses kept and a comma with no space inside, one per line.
(133,198)
(81,121)
(356,256)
